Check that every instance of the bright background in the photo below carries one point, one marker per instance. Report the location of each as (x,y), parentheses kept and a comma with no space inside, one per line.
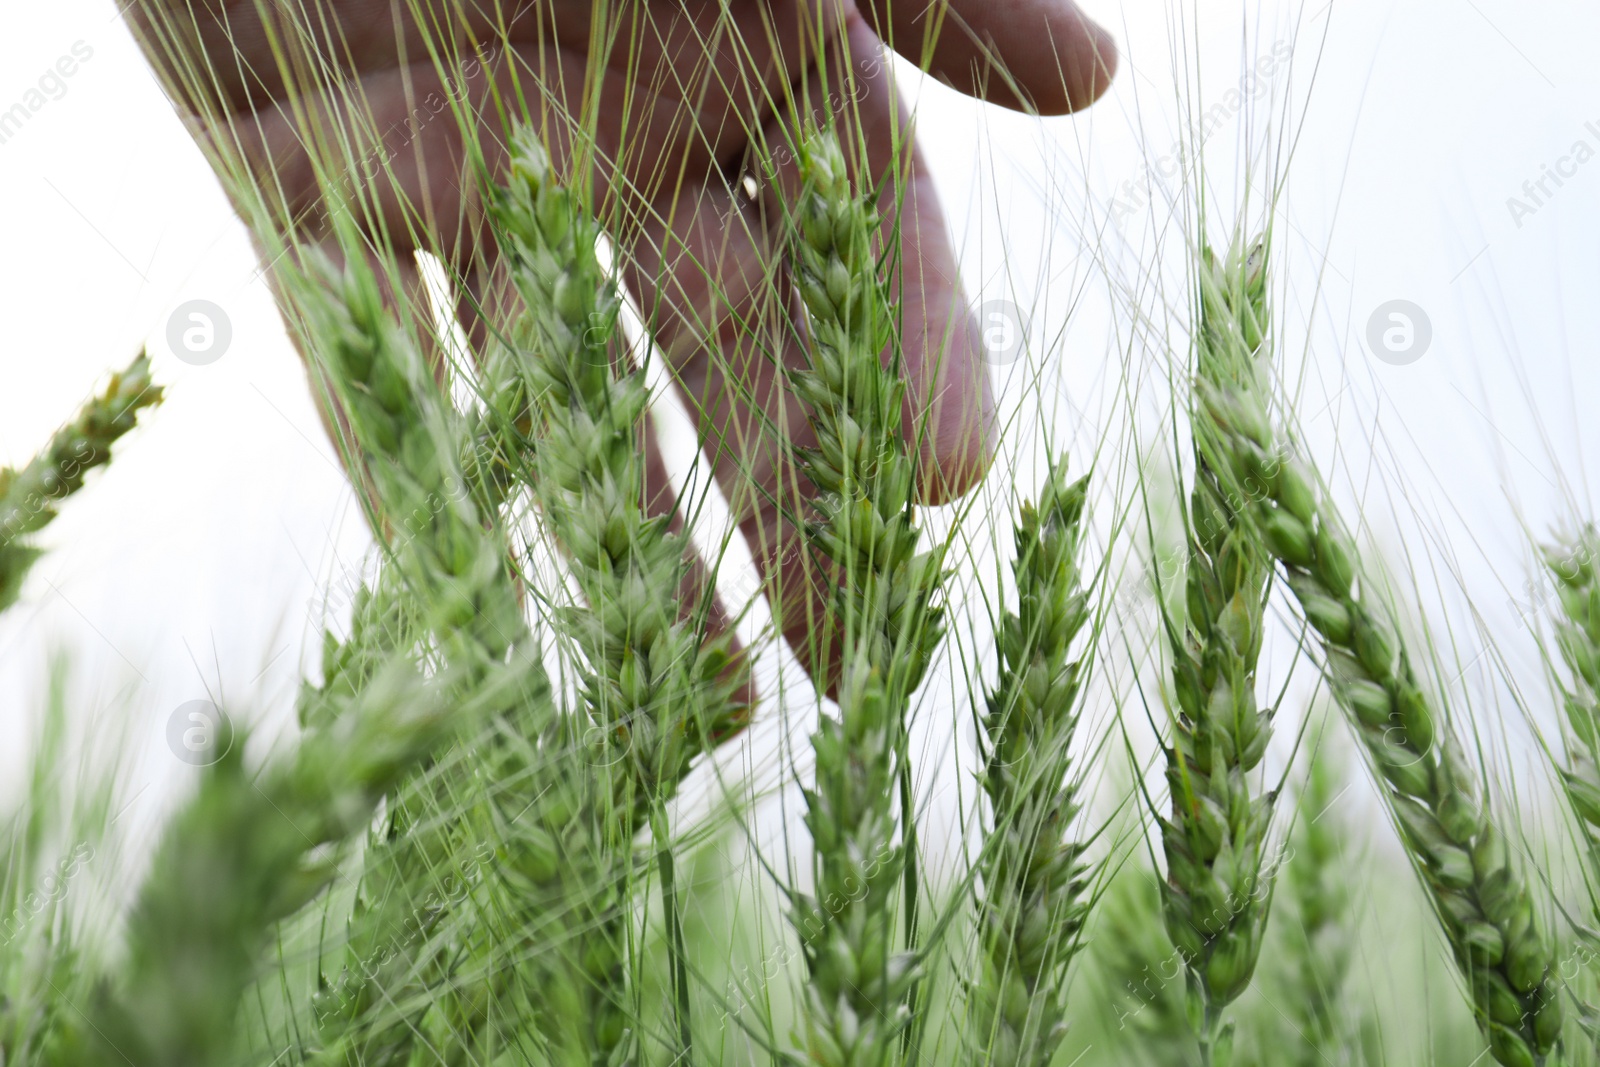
(193,568)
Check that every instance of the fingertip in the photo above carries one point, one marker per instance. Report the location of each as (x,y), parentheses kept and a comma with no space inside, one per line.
(1081,67)
(956,431)
(1096,66)
(1043,57)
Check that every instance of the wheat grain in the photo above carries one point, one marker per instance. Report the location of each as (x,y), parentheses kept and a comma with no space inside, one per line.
(658,683)
(1570,562)
(409,442)
(661,688)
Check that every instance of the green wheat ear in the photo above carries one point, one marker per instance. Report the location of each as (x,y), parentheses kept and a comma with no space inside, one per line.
(885,613)
(1143,972)
(659,688)
(547,926)
(1032,871)
(1577,628)
(29,497)
(447,594)
(251,850)
(1320,947)
(1218,892)
(1479,895)
(1571,563)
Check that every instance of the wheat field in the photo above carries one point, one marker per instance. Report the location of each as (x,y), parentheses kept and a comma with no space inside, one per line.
(967,696)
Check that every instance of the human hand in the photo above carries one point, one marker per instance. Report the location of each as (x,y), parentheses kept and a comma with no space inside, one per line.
(678,101)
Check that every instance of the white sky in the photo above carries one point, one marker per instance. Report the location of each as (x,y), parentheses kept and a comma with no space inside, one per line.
(187,569)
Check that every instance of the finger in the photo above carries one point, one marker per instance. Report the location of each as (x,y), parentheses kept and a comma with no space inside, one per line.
(1041,56)
(251,54)
(708,277)
(662,90)
(948,406)
(392,152)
